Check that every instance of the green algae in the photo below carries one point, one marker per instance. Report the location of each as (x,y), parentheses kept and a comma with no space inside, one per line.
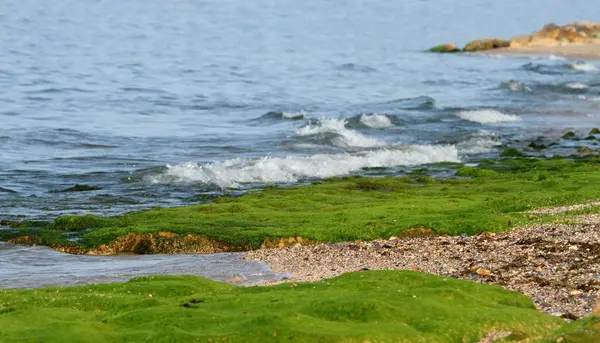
(586,330)
(372,306)
(479,199)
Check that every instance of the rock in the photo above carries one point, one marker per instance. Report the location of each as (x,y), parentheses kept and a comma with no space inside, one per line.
(584,149)
(486,44)
(237,278)
(445,48)
(541,41)
(568,135)
(594,131)
(483,272)
(597,309)
(520,41)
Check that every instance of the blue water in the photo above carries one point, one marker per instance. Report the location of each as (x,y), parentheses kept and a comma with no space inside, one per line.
(175,102)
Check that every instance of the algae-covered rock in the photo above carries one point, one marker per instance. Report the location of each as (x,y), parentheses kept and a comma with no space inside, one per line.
(445,48)
(594,131)
(585,150)
(486,44)
(511,152)
(569,135)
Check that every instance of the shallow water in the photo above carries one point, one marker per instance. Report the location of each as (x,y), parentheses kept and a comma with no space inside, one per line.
(32,267)
(175,103)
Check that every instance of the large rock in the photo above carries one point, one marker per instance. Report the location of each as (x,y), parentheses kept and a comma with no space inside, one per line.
(442,48)
(486,44)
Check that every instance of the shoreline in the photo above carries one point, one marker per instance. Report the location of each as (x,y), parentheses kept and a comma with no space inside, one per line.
(588,51)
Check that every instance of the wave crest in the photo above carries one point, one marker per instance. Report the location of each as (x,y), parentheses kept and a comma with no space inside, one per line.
(232,173)
(487,116)
(343,137)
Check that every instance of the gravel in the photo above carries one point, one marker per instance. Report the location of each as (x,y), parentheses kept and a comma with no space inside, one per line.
(557,265)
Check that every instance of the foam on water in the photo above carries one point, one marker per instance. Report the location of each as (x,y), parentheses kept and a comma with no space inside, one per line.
(344,137)
(487,116)
(583,66)
(232,173)
(376,121)
(576,85)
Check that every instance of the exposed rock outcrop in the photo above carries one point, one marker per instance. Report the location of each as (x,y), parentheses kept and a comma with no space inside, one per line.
(550,35)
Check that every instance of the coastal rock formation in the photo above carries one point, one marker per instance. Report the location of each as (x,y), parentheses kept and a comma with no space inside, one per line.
(486,44)
(451,47)
(550,35)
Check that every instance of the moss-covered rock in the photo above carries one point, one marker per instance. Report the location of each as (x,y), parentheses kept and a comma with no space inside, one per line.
(569,135)
(445,48)
(511,152)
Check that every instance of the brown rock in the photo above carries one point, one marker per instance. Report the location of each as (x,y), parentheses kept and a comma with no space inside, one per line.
(596,309)
(486,44)
(520,41)
(539,41)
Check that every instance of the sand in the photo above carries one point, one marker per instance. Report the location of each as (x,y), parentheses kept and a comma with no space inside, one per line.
(590,51)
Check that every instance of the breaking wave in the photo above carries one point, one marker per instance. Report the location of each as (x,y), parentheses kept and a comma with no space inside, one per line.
(232,173)
(376,121)
(487,116)
(340,136)
(583,66)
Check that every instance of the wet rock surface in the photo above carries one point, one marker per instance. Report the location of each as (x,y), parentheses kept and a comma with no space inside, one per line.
(557,265)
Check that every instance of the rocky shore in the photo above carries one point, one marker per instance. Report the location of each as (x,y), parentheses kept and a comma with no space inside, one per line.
(557,265)
(578,40)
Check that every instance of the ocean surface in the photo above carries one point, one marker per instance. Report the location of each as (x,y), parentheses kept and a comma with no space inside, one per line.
(166,103)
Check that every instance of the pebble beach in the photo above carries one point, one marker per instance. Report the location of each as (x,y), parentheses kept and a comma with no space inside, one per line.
(557,265)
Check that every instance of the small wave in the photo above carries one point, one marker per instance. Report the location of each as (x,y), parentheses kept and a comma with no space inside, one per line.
(376,121)
(544,69)
(419,102)
(480,143)
(232,173)
(583,66)
(343,137)
(355,67)
(576,85)
(487,116)
(516,86)
(278,115)
(6,190)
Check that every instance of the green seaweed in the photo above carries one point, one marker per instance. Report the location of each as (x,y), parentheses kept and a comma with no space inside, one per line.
(351,208)
(372,306)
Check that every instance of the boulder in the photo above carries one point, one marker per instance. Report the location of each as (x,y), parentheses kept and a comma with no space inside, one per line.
(444,48)
(486,44)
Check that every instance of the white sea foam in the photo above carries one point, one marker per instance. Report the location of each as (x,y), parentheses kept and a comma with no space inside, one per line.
(584,66)
(576,85)
(556,58)
(231,173)
(344,137)
(590,98)
(487,116)
(376,121)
